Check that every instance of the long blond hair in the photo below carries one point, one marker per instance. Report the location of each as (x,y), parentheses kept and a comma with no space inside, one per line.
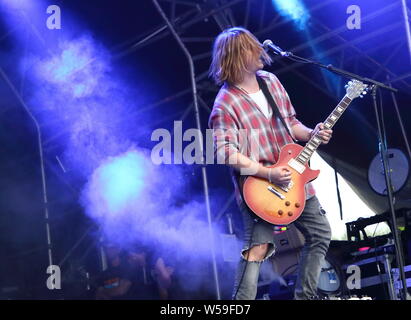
(229,61)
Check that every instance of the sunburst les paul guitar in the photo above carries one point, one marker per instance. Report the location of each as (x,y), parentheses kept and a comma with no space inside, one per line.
(283,204)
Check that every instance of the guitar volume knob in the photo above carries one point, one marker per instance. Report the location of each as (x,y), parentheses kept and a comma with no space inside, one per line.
(287,203)
(290,213)
(280,212)
(297,205)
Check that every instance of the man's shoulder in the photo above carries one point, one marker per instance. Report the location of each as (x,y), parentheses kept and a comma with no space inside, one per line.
(267,75)
(226,94)
(225,99)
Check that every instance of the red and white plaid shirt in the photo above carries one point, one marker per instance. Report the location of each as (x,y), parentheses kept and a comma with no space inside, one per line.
(234,111)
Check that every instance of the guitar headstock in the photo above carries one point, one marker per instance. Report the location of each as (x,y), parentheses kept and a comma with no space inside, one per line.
(356,89)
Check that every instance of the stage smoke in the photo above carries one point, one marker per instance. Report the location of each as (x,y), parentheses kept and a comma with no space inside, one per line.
(137,203)
(87,109)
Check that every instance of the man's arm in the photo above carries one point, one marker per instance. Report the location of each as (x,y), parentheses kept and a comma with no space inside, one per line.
(226,142)
(301,132)
(278,175)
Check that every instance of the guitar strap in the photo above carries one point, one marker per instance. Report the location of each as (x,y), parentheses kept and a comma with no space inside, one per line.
(271,102)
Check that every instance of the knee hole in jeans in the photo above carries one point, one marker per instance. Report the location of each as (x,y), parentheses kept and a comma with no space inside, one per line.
(257,252)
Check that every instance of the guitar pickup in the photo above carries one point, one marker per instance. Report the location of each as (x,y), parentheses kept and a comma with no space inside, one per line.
(278,194)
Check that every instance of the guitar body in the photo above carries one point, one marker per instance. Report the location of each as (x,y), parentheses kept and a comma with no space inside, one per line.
(281,205)
(276,205)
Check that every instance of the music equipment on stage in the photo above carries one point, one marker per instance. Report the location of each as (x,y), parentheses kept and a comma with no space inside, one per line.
(399,172)
(357,235)
(331,281)
(280,204)
(285,263)
(376,272)
(358,238)
(398,282)
(287,250)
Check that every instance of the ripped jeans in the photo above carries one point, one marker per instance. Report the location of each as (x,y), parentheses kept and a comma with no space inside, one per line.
(312,223)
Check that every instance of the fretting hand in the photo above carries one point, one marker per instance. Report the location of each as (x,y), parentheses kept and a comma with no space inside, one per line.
(324,134)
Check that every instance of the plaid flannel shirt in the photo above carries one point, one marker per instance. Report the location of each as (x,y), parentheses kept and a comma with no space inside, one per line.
(240,126)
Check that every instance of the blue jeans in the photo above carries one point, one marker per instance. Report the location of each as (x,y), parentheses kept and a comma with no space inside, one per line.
(312,223)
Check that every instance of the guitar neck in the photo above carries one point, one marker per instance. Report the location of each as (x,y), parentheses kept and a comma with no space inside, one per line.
(312,145)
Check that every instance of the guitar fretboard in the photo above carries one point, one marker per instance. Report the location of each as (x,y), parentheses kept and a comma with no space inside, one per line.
(315,141)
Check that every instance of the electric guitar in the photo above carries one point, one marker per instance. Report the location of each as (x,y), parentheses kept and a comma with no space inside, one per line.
(283,204)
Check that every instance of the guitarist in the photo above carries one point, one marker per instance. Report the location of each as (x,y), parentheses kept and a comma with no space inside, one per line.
(237,60)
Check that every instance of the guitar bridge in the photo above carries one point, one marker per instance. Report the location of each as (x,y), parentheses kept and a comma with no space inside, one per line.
(278,194)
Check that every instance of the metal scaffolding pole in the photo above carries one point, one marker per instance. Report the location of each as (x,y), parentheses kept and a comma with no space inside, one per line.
(41,158)
(407,25)
(203,165)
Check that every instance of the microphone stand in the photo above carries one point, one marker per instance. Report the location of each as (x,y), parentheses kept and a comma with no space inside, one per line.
(375,85)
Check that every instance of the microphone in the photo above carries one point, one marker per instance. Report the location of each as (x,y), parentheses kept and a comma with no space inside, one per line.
(269,45)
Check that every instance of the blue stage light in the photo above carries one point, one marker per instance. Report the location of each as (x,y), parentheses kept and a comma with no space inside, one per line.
(293,9)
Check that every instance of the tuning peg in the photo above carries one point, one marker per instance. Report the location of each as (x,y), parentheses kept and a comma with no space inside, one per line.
(346,86)
(361,96)
(364,92)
